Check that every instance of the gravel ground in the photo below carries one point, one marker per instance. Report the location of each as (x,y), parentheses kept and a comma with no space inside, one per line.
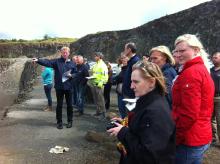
(28,133)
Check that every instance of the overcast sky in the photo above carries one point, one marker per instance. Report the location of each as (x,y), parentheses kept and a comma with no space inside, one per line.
(32,19)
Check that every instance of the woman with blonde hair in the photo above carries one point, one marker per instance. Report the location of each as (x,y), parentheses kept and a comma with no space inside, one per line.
(193,93)
(150,134)
(162,56)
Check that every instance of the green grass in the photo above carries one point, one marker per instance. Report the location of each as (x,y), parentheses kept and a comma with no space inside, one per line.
(37,41)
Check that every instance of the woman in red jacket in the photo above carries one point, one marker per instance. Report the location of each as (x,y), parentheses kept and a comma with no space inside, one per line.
(192,107)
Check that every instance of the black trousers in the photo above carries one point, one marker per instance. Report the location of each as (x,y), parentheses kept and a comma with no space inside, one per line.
(107,91)
(68,96)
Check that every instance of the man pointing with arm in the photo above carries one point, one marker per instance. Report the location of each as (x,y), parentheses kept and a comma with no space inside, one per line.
(64,69)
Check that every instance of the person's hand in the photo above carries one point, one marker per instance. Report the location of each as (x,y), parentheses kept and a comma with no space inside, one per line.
(34,60)
(119,119)
(69,75)
(115,131)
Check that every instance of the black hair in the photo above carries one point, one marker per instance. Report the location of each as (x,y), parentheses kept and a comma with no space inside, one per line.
(147,55)
(132,46)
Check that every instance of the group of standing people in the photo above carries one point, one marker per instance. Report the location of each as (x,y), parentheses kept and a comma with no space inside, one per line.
(174,95)
(171,121)
(71,78)
(66,73)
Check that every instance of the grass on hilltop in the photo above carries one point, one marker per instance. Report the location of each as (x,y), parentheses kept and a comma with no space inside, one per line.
(38,41)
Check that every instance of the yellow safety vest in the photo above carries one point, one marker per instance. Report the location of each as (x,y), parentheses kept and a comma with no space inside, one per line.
(100,74)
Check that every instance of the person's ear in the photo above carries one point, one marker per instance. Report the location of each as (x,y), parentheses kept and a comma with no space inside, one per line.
(152,82)
(196,49)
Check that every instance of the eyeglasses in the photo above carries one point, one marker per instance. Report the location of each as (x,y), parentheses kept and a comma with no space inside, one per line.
(148,67)
(151,71)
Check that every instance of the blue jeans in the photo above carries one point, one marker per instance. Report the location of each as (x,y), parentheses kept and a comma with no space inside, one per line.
(190,154)
(80,97)
(47,90)
(121,106)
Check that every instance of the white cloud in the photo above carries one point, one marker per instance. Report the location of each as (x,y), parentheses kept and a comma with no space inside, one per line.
(29,19)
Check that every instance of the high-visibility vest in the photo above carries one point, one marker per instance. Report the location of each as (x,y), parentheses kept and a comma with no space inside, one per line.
(100,73)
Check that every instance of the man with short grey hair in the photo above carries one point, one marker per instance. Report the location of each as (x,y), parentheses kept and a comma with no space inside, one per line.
(80,82)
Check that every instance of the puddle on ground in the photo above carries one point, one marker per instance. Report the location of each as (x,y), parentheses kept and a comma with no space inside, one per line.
(35,101)
(26,114)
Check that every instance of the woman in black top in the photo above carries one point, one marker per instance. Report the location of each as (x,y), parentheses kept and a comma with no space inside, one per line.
(150,135)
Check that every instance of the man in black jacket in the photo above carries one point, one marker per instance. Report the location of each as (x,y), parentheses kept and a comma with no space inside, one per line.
(64,69)
(80,81)
(129,51)
(215,73)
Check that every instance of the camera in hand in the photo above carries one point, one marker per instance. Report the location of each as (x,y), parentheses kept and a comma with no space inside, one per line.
(112,124)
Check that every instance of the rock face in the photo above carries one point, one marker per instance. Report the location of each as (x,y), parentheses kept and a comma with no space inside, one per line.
(102,138)
(30,50)
(17,76)
(203,20)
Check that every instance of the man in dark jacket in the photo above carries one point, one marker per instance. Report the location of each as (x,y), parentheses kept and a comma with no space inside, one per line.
(215,73)
(80,80)
(64,69)
(130,51)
